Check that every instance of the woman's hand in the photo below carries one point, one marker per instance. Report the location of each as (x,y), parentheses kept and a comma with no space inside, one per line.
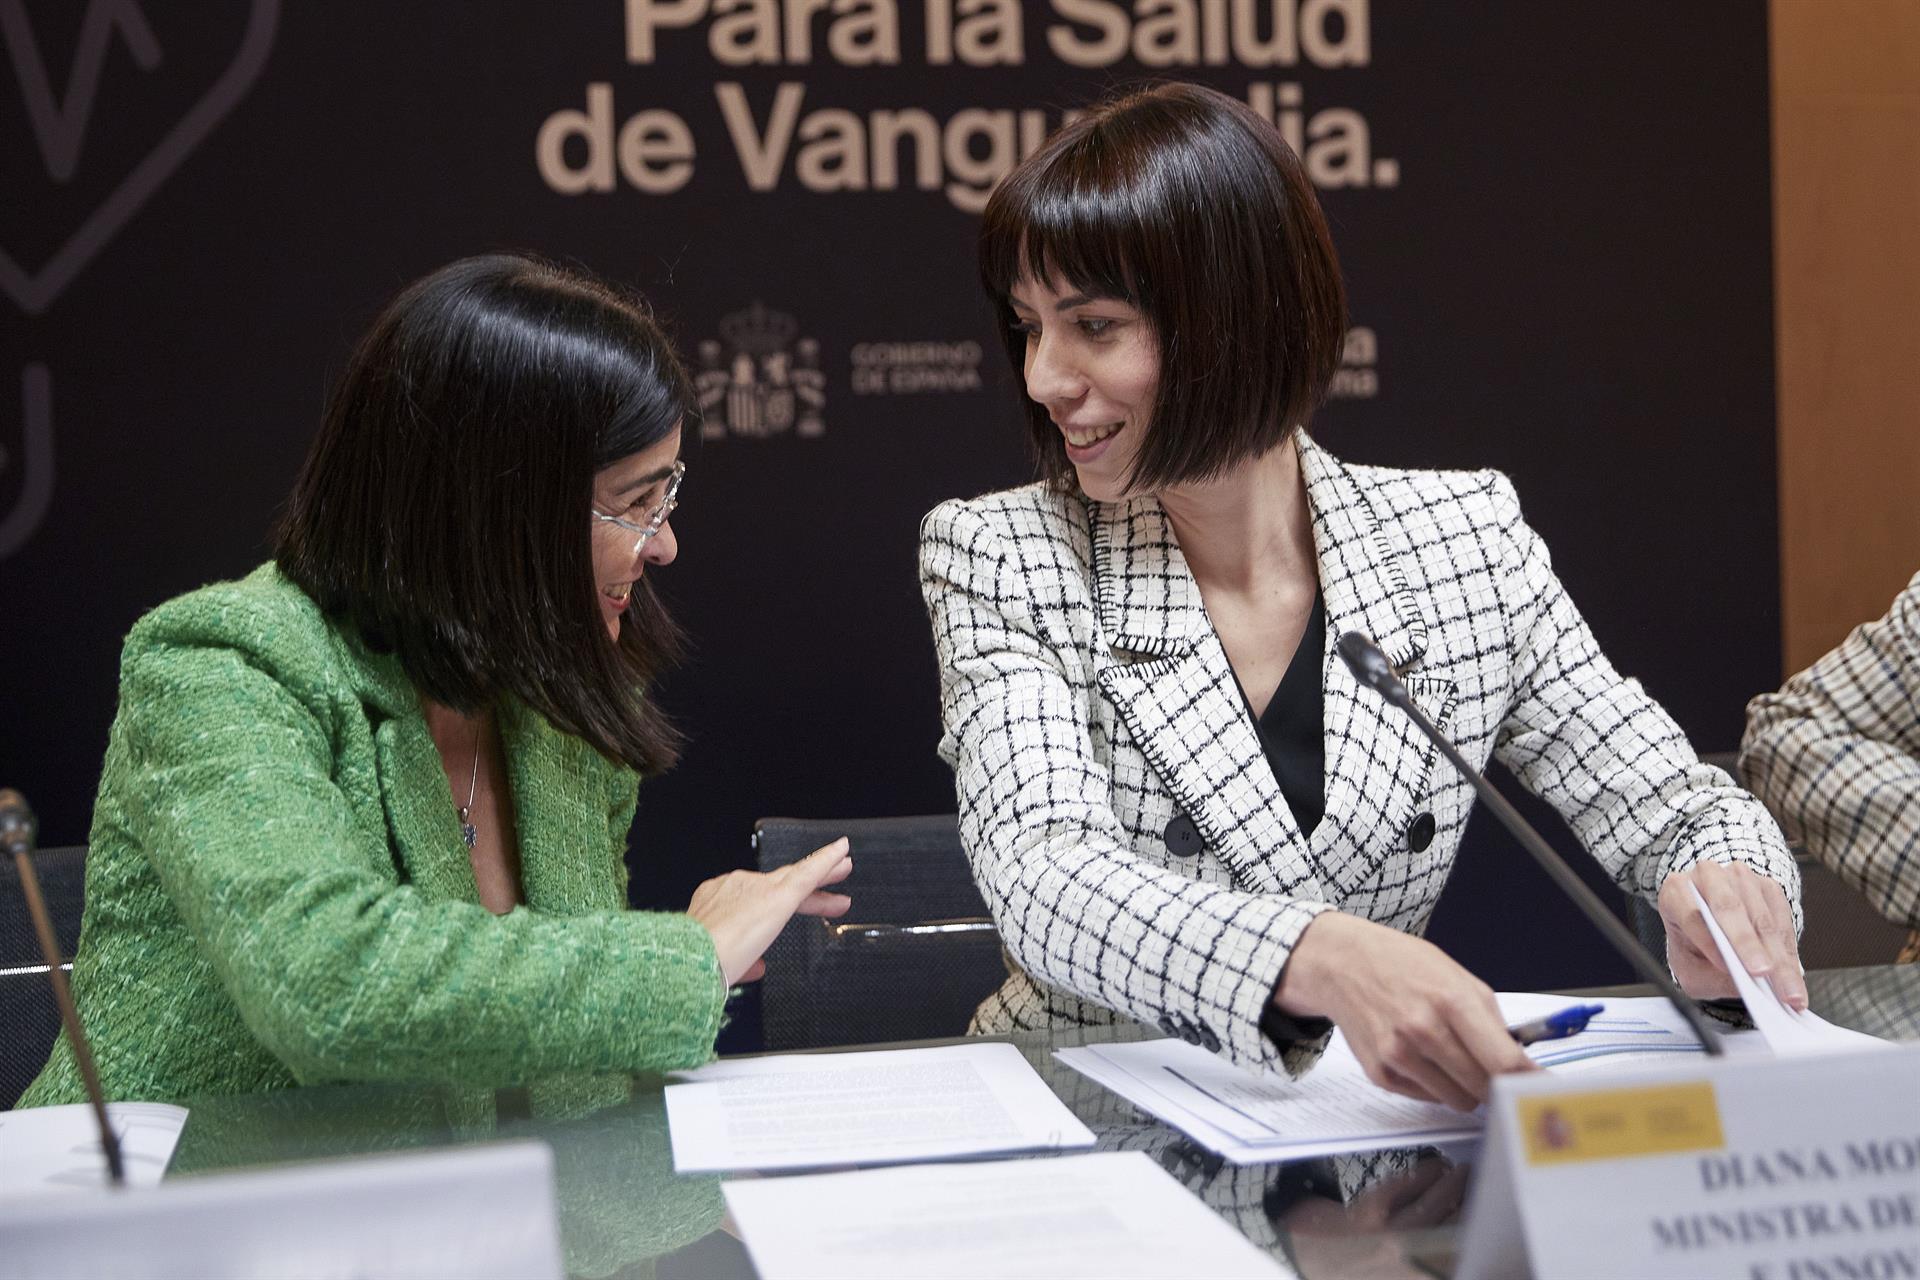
(1419,1023)
(1427,1195)
(1327,1238)
(746,910)
(1753,913)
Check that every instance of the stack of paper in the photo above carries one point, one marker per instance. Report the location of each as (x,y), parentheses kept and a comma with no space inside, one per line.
(1788,1032)
(1628,1029)
(1334,1108)
(1250,1118)
(806,1110)
(1115,1214)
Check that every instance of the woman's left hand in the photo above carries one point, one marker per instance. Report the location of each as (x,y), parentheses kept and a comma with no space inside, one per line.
(1328,1238)
(1753,913)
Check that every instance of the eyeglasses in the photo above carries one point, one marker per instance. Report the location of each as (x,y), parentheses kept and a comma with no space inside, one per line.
(656,517)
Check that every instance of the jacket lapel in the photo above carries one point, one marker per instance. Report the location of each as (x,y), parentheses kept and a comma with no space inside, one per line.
(1171,683)
(560,797)
(422,828)
(1361,577)
(560,802)
(420,813)
(1377,762)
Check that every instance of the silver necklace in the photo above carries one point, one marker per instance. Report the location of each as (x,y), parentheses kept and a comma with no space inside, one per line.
(468,831)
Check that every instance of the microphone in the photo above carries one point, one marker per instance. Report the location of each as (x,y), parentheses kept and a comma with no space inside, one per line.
(18,830)
(1371,668)
(17,826)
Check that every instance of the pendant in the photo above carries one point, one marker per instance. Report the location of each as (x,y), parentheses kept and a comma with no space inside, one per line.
(468,832)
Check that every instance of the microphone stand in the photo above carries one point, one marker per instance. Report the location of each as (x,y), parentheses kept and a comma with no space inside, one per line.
(17,835)
(1371,668)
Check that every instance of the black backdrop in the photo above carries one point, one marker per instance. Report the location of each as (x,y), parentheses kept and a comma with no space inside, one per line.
(1555,231)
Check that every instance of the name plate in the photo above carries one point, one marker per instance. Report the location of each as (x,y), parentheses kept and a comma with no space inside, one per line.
(485,1212)
(1755,1168)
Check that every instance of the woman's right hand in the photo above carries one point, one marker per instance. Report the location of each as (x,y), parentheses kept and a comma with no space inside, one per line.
(746,910)
(1419,1023)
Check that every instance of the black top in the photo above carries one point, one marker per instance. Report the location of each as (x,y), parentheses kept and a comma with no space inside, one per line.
(1291,733)
(1291,728)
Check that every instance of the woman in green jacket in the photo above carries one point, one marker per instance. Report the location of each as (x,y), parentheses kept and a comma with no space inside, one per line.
(363,814)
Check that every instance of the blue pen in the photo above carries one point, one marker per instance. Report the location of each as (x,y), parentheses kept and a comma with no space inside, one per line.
(1555,1026)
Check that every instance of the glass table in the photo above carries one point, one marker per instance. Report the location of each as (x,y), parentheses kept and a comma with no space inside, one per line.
(624,1212)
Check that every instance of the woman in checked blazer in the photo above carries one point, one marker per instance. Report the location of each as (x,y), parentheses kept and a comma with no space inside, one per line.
(1179,805)
(1836,754)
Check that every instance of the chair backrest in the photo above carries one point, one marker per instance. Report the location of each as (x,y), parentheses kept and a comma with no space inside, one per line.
(910,961)
(29,1020)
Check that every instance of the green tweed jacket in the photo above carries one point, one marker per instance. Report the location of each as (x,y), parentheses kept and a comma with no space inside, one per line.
(278,894)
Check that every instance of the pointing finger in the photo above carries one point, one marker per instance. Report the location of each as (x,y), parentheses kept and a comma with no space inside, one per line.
(1768,907)
(826,865)
(1730,908)
(824,904)
(840,871)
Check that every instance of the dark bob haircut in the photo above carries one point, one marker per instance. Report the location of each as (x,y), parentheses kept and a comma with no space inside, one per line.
(1188,206)
(443,509)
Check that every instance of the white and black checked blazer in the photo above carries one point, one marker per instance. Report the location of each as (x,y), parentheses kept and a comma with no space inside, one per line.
(1836,755)
(1088,704)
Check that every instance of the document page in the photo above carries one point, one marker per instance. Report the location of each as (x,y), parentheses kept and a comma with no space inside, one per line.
(47,1148)
(1114,1214)
(803,1110)
(1334,1108)
(1250,1118)
(1787,1032)
(1629,1029)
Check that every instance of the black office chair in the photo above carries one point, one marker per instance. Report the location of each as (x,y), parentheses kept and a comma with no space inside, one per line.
(912,958)
(29,1019)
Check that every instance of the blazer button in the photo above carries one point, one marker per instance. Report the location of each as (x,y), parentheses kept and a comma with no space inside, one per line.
(1167,1025)
(1420,833)
(1209,1041)
(1190,1035)
(1183,838)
